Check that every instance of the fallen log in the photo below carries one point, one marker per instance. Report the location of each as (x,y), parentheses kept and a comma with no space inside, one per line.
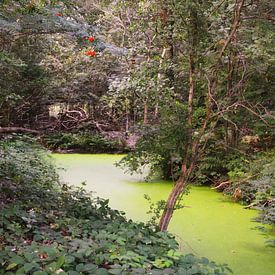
(6,130)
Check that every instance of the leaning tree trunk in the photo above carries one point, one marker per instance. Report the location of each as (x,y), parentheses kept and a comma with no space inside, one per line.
(182,181)
(171,202)
(177,190)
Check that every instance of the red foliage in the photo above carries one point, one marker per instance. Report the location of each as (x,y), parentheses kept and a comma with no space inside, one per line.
(91,39)
(58,14)
(91,53)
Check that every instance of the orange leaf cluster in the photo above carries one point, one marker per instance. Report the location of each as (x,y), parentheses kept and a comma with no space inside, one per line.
(91,39)
(91,53)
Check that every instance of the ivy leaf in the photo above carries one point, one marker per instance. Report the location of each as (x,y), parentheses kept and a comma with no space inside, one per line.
(17,259)
(60,261)
(89,268)
(102,271)
(116,271)
(11,266)
(29,266)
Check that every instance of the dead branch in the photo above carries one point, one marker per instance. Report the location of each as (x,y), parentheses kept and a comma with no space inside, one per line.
(222,184)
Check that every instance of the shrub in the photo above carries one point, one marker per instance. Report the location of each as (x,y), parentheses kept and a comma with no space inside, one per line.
(83,142)
(257,186)
(25,171)
(219,163)
(161,147)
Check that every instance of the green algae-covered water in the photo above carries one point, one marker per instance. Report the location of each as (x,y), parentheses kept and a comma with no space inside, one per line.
(209,225)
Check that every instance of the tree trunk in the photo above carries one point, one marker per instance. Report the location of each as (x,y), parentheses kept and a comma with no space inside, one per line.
(171,202)
(191,90)
(182,181)
(127,122)
(145,114)
(160,75)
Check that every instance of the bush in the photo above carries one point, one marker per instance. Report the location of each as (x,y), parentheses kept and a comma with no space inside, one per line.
(26,163)
(220,163)
(161,147)
(257,186)
(83,142)
(25,171)
(56,229)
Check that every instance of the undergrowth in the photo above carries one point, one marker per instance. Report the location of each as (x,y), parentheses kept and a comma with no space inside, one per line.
(82,142)
(256,186)
(51,228)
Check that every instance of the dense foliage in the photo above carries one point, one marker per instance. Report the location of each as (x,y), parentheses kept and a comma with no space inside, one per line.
(201,88)
(49,228)
(256,186)
(83,142)
(194,78)
(46,61)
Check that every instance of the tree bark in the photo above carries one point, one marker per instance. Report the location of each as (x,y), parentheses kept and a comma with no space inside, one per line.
(177,190)
(170,204)
(191,89)
(159,79)
(145,114)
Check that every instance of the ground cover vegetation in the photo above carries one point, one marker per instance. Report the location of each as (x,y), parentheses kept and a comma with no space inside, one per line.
(51,228)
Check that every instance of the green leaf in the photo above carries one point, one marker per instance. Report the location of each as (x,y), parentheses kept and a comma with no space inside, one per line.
(79,267)
(102,271)
(11,266)
(88,252)
(52,266)
(204,261)
(121,241)
(194,270)
(89,267)
(139,271)
(29,266)
(38,237)
(69,259)
(20,271)
(117,271)
(17,260)
(29,256)
(60,261)
(51,251)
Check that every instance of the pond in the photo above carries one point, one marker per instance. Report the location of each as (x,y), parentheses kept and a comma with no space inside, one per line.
(210,225)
